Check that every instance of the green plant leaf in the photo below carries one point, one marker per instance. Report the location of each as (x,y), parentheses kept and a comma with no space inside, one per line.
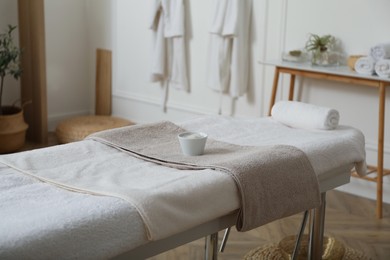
(9,58)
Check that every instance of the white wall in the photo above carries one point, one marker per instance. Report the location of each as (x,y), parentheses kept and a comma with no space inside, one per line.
(100,35)
(69,76)
(75,28)
(277,25)
(67,60)
(358,28)
(132,90)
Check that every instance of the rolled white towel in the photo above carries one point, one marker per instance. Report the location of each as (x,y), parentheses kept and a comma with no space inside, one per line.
(380,51)
(307,116)
(365,65)
(382,68)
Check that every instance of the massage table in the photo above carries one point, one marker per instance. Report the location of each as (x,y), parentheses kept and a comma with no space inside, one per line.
(43,221)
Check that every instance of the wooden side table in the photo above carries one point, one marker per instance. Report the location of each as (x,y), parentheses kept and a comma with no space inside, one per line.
(345,75)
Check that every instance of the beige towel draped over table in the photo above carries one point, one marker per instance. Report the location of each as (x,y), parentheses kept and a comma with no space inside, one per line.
(274,181)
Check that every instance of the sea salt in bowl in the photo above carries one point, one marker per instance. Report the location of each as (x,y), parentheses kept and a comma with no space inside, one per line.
(192,143)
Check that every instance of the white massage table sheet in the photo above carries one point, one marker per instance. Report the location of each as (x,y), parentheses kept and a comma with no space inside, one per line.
(45,221)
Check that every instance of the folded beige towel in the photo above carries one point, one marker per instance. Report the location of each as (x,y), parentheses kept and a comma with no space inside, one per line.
(274,181)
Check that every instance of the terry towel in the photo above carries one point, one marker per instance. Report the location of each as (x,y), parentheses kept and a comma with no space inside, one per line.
(229,44)
(169,63)
(380,51)
(307,116)
(382,68)
(365,65)
(274,181)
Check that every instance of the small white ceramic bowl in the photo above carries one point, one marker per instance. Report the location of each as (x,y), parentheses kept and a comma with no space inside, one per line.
(192,143)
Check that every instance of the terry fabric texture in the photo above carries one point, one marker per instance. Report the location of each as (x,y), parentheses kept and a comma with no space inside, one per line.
(382,68)
(365,66)
(229,45)
(184,198)
(307,116)
(380,51)
(40,219)
(274,182)
(326,150)
(169,62)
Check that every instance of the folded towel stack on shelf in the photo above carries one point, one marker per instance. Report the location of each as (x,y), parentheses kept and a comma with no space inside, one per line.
(382,68)
(365,65)
(377,63)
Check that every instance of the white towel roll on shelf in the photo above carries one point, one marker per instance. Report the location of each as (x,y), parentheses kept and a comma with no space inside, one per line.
(365,65)
(382,68)
(303,115)
(380,51)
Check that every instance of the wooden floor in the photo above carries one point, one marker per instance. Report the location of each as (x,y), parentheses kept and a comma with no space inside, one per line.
(350,219)
(52,140)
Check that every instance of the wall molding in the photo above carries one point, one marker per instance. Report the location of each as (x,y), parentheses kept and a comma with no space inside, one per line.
(158,102)
(372,146)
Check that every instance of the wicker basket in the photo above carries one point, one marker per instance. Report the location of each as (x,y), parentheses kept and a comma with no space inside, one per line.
(76,129)
(352,60)
(12,129)
(333,250)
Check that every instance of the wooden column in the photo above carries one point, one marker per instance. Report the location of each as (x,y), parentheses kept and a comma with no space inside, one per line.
(103,82)
(274,90)
(33,80)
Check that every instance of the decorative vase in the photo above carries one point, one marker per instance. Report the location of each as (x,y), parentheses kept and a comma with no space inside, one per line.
(325,58)
(12,129)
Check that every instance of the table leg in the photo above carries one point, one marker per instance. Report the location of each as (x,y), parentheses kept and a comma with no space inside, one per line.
(297,245)
(224,239)
(381,135)
(317,230)
(274,90)
(211,247)
(292,85)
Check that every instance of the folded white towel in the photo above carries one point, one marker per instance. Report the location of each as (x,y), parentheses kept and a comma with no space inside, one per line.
(380,51)
(365,65)
(382,68)
(302,115)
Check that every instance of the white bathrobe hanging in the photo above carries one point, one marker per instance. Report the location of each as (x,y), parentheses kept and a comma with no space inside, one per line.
(228,59)
(169,64)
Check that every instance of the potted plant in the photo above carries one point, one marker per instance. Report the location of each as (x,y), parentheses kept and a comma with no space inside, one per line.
(12,125)
(320,48)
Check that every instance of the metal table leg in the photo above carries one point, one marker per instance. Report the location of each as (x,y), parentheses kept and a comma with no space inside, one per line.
(224,239)
(317,230)
(299,237)
(211,247)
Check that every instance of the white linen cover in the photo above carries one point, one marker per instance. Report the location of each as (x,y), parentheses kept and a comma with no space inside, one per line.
(64,225)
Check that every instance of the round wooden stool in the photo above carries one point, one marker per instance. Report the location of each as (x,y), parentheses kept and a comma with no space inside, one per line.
(76,129)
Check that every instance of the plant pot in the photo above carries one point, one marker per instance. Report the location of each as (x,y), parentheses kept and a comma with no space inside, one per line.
(12,129)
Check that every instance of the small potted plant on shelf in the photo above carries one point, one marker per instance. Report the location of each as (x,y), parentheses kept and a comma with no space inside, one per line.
(12,125)
(321,49)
